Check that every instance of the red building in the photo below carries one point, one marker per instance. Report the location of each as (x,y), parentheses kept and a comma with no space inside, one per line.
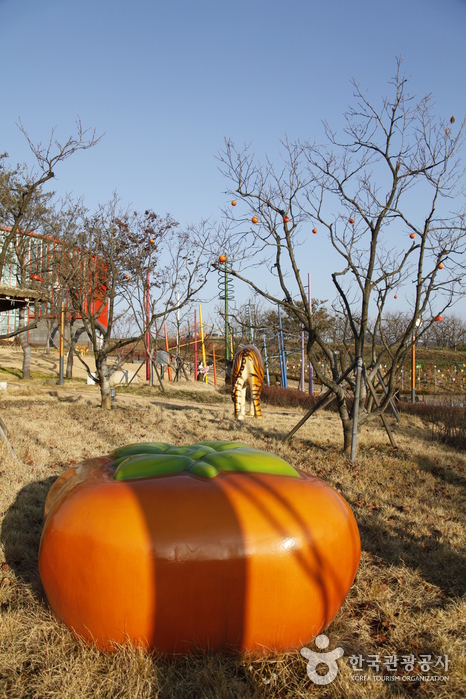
(33,277)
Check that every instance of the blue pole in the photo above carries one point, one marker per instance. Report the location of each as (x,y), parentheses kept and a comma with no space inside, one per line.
(266,363)
(311,371)
(284,378)
(280,358)
(302,358)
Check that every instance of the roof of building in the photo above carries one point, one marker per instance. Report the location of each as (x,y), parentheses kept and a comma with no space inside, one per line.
(12,297)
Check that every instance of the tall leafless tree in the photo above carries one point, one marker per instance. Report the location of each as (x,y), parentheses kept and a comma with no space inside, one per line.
(384,192)
(25,206)
(22,196)
(21,187)
(112,261)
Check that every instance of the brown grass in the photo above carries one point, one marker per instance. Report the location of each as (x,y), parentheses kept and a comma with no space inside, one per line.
(408,597)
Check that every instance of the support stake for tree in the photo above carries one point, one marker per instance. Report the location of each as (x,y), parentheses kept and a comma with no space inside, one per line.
(136,372)
(154,366)
(4,438)
(354,435)
(324,400)
(384,388)
(382,415)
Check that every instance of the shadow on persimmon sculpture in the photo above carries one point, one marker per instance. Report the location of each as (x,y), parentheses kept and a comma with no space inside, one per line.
(213,545)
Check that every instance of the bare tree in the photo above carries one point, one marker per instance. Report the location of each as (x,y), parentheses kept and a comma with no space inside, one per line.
(21,187)
(449,332)
(21,193)
(383,192)
(114,260)
(26,207)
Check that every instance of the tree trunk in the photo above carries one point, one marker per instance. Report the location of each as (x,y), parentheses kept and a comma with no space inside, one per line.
(49,332)
(25,346)
(69,361)
(347,436)
(74,337)
(104,382)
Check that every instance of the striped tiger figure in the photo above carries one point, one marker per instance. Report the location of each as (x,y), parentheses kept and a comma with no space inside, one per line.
(248,367)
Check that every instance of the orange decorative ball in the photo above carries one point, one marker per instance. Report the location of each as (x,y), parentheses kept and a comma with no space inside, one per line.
(314,230)
(233,203)
(412,236)
(222,258)
(396,296)
(351,220)
(255,219)
(440,265)
(286,219)
(209,546)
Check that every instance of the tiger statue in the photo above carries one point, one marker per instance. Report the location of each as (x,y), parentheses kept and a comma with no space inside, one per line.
(248,367)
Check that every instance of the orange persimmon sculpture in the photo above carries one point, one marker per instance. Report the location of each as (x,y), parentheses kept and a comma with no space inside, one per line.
(214,545)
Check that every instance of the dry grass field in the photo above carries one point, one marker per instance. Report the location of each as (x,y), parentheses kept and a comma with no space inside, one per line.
(407,599)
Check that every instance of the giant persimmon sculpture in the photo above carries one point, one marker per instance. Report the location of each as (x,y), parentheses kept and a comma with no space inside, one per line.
(214,545)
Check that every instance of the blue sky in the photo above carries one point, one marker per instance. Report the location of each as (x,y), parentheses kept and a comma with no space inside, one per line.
(167,81)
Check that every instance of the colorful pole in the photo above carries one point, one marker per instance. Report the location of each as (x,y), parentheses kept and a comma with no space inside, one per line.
(195,346)
(302,358)
(266,363)
(311,371)
(227,327)
(215,368)
(178,325)
(284,377)
(251,331)
(61,379)
(202,342)
(413,369)
(166,347)
(148,332)
(280,358)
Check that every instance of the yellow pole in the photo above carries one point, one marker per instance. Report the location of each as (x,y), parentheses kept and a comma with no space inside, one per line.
(61,363)
(202,341)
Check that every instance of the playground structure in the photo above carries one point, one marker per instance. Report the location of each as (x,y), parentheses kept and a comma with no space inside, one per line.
(226,294)
(197,351)
(40,291)
(283,543)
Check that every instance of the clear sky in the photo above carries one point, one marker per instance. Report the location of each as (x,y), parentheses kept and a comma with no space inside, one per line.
(167,81)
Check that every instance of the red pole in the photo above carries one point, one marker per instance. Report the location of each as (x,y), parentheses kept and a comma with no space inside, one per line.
(195,346)
(147,333)
(215,369)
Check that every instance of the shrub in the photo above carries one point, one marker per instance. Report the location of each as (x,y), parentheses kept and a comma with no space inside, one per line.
(448,422)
